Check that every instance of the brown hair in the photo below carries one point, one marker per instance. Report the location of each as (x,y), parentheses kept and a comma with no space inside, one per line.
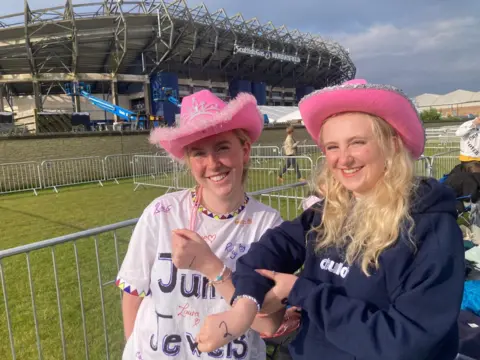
(290,129)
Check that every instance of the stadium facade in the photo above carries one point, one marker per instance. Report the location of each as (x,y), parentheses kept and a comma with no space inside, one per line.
(127,51)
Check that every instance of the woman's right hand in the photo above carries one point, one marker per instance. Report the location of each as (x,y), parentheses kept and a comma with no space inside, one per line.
(190,251)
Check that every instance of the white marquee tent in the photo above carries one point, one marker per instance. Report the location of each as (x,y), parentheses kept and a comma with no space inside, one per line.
(281,114)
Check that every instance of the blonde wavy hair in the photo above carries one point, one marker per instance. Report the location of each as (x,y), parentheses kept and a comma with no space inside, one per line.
(244,138)
(366,227)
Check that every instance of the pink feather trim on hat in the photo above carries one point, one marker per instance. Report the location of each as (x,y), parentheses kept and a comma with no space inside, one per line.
(203,115)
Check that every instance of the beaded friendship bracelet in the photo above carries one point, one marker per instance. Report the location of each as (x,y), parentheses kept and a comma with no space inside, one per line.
(246,297)
(224,275)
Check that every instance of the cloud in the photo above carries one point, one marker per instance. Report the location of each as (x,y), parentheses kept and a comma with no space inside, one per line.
(379,40)
(436,56)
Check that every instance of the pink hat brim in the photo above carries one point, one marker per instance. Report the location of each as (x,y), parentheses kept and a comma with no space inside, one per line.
(240,113)
(382,101)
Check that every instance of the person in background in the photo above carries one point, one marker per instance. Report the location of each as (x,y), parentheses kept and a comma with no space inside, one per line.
(290,150)
(381,254)
(469,132)
(183,250)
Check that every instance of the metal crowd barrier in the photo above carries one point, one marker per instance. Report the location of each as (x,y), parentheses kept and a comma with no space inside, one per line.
(59,295)
(164,172)
(423,167)
(65,172)
(161,171)
(442,163)
(16,177)
(54,173)
(264,171)
(309,150)
(119,166)
(183,177)
(153,170)
(259,151)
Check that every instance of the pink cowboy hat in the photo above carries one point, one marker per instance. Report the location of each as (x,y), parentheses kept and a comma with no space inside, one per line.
(384,101)
(203,114)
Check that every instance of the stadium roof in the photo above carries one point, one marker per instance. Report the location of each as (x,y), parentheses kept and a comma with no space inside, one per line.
(128,40)
(452,98)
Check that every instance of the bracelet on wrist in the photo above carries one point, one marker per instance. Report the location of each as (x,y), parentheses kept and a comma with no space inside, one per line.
(224,275)
(246,297)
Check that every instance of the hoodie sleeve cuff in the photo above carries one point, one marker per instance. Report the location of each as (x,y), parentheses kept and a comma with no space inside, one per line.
(300,292)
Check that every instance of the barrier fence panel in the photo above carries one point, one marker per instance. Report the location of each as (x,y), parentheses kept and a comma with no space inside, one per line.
(443,163)
(59,297)
(320,162)
(16,177)
(183,177)
(287,199)
(265,174)
(152,170)
(423,167)
(119,166)
(258,151)
(312,151)
(160,170)
(435,150)
(74,171)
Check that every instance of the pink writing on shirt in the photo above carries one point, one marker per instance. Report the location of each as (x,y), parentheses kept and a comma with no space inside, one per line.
(209,238)
(185,312)
(161,208)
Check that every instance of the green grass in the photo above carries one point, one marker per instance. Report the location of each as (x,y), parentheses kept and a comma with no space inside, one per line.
(27,218)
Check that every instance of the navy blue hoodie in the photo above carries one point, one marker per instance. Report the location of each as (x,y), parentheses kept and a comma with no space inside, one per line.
(405,310)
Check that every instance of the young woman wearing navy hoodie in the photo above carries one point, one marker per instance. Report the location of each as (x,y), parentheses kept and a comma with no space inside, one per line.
(381,255)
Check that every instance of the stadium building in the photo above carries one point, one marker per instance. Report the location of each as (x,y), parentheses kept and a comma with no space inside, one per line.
(128,52)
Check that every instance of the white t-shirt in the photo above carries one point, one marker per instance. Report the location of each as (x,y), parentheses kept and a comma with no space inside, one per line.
(177,301)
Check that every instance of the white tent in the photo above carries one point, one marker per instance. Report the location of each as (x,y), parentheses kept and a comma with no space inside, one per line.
(275,113)
(293,116)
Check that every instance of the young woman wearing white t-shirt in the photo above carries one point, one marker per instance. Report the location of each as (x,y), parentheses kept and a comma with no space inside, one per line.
(185,246)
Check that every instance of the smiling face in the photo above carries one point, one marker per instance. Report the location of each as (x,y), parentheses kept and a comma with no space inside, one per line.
(217,163)
(353,152)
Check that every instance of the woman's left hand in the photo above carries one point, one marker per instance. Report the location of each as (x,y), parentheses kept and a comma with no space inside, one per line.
(190,251)
(219,329)
(276,298)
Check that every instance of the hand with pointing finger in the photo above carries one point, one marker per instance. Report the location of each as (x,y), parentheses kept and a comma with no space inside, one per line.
(190,251)
(276,298)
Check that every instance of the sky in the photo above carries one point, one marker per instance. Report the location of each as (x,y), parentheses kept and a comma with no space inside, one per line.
(421,46)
